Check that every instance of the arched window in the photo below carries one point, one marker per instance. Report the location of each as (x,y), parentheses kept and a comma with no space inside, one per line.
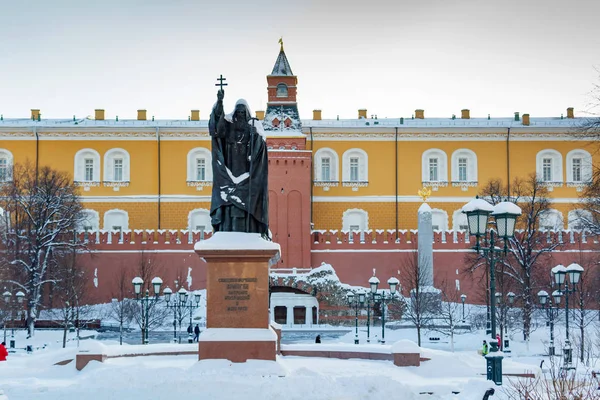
(464,168)
(551,220)
(87,168)
(355,220)
(439,220)
(199,221)
(199,167)
(459,221)
(579,168)
(116,220)
(6,162)
(282,90)
(549,168)
(579,219)
(355,168)
(326,168)
(116,168)
(434,168)
(89,222)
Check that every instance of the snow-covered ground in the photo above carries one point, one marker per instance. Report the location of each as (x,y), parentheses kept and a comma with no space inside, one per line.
(34,376)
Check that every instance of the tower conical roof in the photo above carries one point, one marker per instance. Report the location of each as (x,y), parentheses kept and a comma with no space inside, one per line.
(282,66)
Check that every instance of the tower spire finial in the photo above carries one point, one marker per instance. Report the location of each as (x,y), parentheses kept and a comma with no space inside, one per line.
(281,43)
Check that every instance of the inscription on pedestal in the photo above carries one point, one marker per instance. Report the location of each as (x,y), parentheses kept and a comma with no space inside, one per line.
(237,293)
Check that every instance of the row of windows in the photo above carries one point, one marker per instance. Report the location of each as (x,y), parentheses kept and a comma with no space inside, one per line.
(551,220)
(549,166)
(118,220)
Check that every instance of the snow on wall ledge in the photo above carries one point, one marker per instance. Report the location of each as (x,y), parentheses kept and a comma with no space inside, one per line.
(321,240)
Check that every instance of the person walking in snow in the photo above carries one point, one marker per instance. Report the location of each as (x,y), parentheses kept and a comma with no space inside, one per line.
(3,352)
(485,349)
(196,333)
(499,341)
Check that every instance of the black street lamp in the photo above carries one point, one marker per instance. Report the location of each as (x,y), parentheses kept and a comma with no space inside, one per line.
(356,300)
(505,307)
(505,214)
(10,308)
(574,272)
(546,304)
(145,301)
(383,298)
(463,297)
(192,304)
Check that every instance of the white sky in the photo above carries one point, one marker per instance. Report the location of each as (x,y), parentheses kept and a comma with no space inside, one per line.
(68,57)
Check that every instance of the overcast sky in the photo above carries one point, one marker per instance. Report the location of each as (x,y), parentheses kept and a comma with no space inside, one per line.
(68,57)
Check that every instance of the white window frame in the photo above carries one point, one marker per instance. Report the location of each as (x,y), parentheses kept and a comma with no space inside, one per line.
(199,217)
(552,218)
(574,217)
(363,168)
(90,218)
(334,166)
(355,217)
(557,168)
(192,167)
(586,168)
(471,178)
(80,167)
(439,218)
(7,155)
(116,217)
(442,168)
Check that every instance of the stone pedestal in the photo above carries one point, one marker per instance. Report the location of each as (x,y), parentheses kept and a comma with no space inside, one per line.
(237,290)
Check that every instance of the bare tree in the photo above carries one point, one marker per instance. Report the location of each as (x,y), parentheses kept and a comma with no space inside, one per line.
(122,309)
(423,302)
(67,300)
(585,295)
(42,209)
(451,318)
(589,128)
(527,252)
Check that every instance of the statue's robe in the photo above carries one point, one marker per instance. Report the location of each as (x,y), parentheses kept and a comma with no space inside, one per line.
(240,201)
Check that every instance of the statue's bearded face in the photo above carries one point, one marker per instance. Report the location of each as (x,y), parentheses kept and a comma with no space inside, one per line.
(239,117)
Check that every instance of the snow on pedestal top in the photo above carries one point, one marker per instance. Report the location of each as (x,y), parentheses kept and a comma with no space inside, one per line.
(405,346)
(236,241)
(424,208)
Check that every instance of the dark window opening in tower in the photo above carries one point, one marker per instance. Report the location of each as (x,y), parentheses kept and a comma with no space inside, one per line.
(282,90)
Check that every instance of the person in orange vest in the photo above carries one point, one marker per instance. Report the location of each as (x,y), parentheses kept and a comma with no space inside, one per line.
(3,352)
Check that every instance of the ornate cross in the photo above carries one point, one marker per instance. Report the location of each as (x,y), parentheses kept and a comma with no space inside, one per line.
(221,84)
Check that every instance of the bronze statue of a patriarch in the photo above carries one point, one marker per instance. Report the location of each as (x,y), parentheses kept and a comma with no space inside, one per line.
(240,201)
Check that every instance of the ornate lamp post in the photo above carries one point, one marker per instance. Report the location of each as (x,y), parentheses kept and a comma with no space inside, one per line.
(574,272)
(383,298)
(191,305)
(146,300)
(10,309)
(504,309)
(463,297)
(357,301)
(546,304)
(505,213)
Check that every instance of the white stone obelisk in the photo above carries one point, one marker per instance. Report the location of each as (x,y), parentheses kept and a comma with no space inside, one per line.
(425,245)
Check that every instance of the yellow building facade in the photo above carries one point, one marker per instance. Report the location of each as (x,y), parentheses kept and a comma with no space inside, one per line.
(366,172)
